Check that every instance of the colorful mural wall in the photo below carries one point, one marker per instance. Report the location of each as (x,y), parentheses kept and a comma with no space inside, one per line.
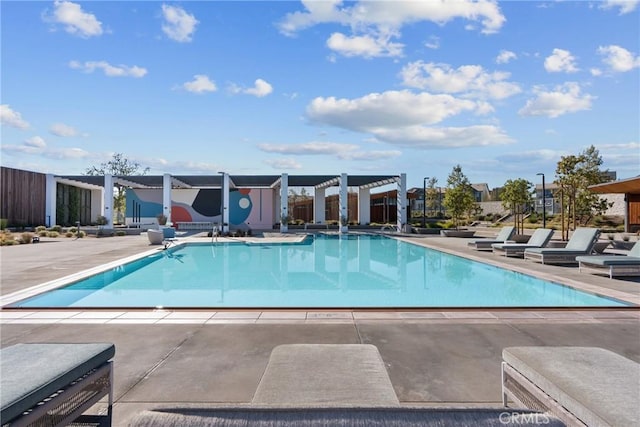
(253,208)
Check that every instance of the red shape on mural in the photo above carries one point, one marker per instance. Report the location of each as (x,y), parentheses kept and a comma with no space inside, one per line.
(179,213)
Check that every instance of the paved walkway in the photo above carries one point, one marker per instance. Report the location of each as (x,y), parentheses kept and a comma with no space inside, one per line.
(202,358)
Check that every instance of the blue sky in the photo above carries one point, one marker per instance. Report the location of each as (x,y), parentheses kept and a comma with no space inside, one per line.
(502,88)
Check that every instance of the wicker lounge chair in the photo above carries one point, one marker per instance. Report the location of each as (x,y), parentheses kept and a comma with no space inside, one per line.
(54,384)
(614,265)
(485,244)
(581,243)
(538,239)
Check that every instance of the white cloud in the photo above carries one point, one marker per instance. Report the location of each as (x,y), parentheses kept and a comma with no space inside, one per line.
(12,118)
(564,99)
(108,69)
(366,46)
(542,155)
(60,129)
(200,84)
(560,61)
(623,146)
(433,42)
(374,24)
(505,56)
(341,151)
(471,80)
(392,15)
(391,109)
(595,72)
(35,142)
(624,6)
(75,20)
(37,146)
(261,88)
(283,164)
(618,58)
(403,118)
(446,137)
(178,25)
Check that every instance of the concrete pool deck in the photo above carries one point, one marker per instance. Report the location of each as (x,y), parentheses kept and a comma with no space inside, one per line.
(208,357)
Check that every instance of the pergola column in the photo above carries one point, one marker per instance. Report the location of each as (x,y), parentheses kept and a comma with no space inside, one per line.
(343,204)
(166,196)
(284,203)
(319,205)
(364,205)
(50,200)
(225,203)
(108,200)
(401,203)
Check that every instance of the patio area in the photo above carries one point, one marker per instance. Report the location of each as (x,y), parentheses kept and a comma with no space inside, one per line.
(206,357)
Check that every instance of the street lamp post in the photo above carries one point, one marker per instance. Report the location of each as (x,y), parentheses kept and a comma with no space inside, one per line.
(424,201)
(544,203)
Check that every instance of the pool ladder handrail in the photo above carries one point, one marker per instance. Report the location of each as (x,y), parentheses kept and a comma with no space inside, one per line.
(393,228)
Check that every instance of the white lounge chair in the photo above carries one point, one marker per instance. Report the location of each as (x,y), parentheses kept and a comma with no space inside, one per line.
(485,244)
(581,243)
(614,265)
(539,239)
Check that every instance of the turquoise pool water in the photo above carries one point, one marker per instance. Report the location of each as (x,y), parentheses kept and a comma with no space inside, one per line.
(352,271)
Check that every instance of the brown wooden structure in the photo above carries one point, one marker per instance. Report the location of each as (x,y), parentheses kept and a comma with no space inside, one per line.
(22,197)
(630,187)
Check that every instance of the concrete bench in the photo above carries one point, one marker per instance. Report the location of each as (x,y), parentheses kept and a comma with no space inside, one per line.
(579,385)
(54,384)
(327,374)
(322,385)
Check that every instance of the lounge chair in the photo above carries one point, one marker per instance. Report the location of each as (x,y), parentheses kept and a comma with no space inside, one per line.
(614,265)
(539,239)
(582,386)
(581,243)
(485,244)
(54,384)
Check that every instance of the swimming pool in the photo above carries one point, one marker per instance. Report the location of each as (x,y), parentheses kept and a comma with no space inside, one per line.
(323,271)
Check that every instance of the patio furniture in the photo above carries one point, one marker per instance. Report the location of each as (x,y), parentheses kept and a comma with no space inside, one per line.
(485,244)
(322,385)
(155,236)
(581,243)
(54,384)
(353,373)
(614,265)
(538,239)
(579,385)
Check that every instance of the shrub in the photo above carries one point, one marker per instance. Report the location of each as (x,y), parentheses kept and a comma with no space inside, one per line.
(40,228)
(43,233)
(68,234)
(73,229)
(57,228)
(121,233)
(3,223)
(53,234)
(101,220)
(26,238)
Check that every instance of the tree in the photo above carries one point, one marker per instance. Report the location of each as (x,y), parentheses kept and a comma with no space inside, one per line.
(574,174)
(458,199)
(119,165)
(516,196)
(431,198)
